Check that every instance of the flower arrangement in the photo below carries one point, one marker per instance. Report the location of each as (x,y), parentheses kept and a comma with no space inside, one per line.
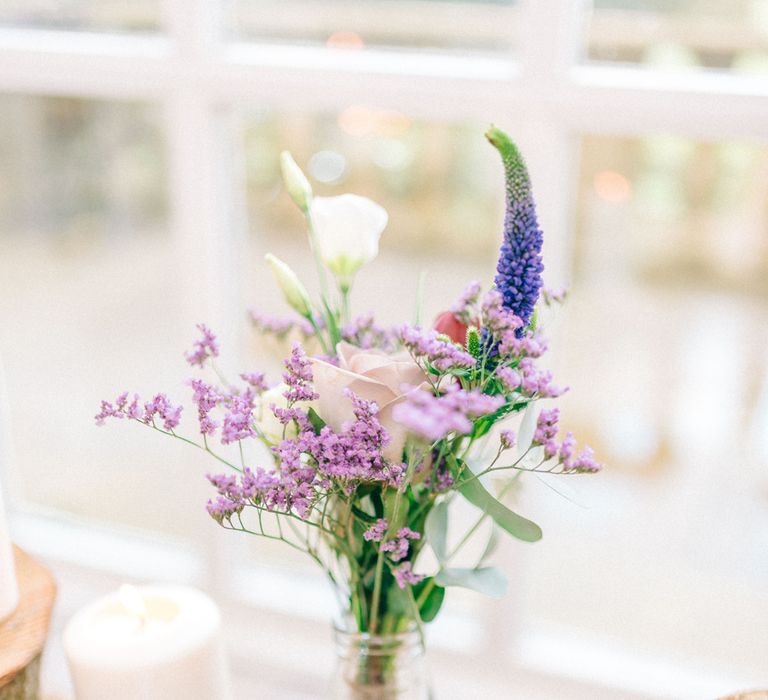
(373,436)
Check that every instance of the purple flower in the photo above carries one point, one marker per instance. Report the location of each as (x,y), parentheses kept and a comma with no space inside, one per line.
(206,397)
(440,480)
(159,406)
(376,532)
(255,380)
(528,345)
(354,453)
(404,575)
(509,378)
(465,307)
(238,419)
(535,382)
(507,439)
(223,509)
(434,417)
(520,266)
(280,326)
(440,354)
(398,546)
(364,333)
(298,377)
(584,462)
(206,346)
(546,431)
(497,320)
(110,410)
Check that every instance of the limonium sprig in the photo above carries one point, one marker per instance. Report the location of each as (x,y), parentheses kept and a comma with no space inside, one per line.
(372,433)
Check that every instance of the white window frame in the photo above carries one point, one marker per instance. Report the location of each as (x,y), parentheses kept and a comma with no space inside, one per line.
(202,81)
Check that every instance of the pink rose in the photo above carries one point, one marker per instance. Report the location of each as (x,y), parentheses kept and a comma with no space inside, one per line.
(372,375)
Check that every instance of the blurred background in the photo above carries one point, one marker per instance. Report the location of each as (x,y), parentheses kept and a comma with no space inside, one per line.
(140,189)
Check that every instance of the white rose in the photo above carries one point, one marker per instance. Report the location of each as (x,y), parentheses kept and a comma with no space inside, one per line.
(347,231)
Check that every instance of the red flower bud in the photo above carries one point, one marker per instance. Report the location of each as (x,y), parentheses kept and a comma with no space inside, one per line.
(447,324)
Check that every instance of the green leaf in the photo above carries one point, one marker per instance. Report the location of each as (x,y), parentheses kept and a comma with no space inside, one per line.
(432,603)
(516,525)
(488,580)
(363,515)
(436,530)
(390,500)
(491,545)
(333,326)
(317,423)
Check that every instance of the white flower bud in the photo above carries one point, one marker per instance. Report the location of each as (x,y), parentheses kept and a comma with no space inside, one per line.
(293,290)
(295,181)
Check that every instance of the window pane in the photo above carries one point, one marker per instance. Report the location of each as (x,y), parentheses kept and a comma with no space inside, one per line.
(91,303)
(105,15)
(483,25)
(666,333)
(681,34)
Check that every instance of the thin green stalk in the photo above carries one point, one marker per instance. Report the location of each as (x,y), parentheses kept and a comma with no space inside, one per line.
(480,520)
(416,614)
(345,313)
(203,447)
(376,592)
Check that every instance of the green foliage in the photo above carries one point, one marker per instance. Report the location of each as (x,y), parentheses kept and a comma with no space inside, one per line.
(436,530)
(487,580)
(483,425)
(317,423)
(431,605)
(516,525)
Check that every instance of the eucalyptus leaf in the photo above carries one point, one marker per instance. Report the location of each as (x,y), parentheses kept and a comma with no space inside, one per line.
(491,546)
(516,525)
(487,580)
(436,530)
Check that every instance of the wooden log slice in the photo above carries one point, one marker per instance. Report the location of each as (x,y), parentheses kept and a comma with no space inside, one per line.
(23,635)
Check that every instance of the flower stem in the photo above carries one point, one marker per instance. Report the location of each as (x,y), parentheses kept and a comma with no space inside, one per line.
(480,520)
(374,622)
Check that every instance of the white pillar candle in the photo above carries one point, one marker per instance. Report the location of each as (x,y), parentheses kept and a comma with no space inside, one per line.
(148,643)
(9,589)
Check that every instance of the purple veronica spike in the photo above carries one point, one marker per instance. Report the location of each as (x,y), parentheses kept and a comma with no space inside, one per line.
(519,268)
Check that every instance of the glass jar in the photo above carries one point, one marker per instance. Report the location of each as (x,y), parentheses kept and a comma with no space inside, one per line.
(379,667)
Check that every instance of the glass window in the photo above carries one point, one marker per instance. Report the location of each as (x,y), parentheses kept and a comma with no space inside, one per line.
(483,25)
(105,15)
(663,344)
(681,34)
(91,303)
